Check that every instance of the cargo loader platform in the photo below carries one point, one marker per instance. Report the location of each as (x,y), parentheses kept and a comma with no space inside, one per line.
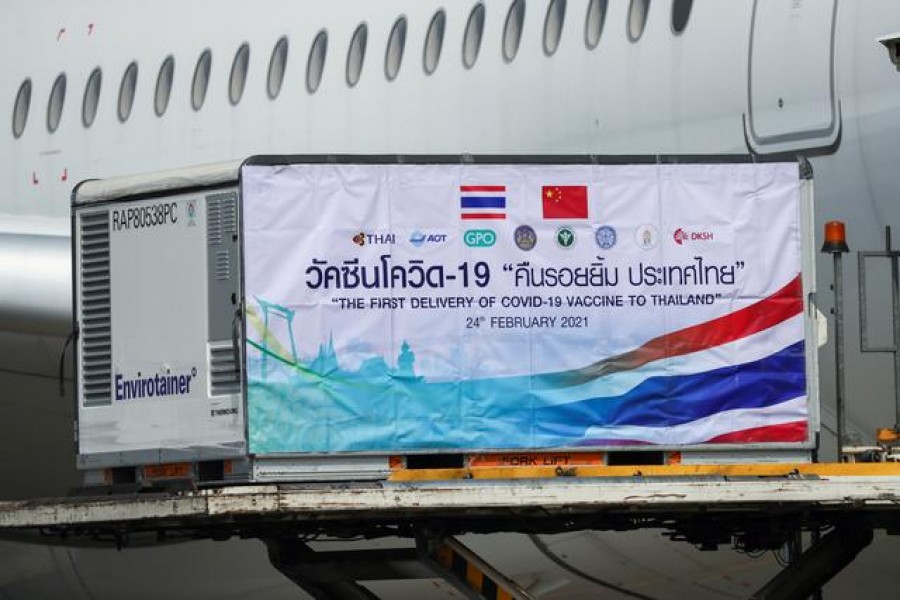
(751,506)
(620,497)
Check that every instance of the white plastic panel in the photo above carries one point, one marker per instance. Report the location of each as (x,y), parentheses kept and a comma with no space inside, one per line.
(159,396)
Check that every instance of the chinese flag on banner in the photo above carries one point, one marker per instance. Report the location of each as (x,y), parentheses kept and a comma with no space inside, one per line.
(565,201)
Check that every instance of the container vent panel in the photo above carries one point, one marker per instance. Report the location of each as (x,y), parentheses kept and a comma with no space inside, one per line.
(224,377)
(96,331)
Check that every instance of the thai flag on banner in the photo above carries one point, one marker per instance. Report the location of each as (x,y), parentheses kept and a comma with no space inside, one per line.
(482,201)
(675,389)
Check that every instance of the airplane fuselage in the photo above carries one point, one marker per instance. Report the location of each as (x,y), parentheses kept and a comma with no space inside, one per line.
(744,76)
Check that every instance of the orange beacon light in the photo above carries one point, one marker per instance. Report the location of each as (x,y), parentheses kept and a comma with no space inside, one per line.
(835,238)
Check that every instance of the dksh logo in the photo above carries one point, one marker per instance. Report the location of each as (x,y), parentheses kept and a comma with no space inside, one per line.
(681,236)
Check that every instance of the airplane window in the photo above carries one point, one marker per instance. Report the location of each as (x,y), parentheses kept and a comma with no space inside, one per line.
(164,86)
(238,78)
(57,99)
(91,98)
(126,91)
(637,18)
(512,31)
(316,62)
(277,65)
(681,12)
(472,38)
(393,57)
(356,54)
(594,21)
(20,112)
(553,25)
(434,42)
(201,79)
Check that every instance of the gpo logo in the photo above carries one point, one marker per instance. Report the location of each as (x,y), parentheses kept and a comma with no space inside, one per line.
(480,238)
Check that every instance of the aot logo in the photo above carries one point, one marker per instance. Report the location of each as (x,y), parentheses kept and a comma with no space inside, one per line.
(362,238)
(418,238)
(480,238)
(681,236)
(157,385)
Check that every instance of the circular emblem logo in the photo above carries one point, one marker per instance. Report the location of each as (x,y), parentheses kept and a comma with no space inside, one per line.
(525,237)
(646,237)
(605,236)
(565,237)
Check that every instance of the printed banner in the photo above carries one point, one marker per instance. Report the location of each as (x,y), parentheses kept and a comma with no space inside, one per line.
(479,307)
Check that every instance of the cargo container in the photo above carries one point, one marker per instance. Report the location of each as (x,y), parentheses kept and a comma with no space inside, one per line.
(340,317)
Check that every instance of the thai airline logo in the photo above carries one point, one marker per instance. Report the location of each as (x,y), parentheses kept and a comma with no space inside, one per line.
(362,238)
(482,202)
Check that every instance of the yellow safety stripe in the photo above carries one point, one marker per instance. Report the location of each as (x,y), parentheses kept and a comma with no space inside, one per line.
(459,566)
(825,470)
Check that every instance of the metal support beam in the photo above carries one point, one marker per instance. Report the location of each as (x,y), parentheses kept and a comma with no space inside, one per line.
(840,385)
(336,575)
(317,576)
(894,347)
(815,567)
(467,572)
(815,537)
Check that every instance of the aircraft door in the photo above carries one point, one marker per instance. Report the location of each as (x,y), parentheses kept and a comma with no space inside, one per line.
(791,99)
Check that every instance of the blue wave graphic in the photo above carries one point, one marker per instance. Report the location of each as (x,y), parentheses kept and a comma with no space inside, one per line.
(666,401)
(304,408)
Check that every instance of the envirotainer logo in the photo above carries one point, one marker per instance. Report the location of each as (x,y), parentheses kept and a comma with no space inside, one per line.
(156,386)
